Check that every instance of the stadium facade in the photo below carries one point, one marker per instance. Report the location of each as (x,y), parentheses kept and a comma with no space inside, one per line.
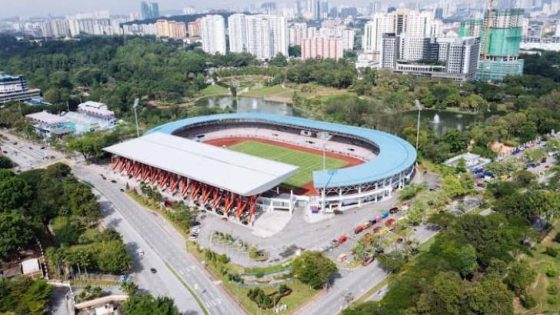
(175,158)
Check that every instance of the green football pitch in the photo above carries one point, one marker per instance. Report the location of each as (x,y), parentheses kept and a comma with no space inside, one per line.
(307,162)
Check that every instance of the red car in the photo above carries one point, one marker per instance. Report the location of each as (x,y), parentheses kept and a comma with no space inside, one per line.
(390,222)
(377,229)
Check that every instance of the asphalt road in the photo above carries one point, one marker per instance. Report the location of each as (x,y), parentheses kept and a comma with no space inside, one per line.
(165,242)
(355,283)
(161,283)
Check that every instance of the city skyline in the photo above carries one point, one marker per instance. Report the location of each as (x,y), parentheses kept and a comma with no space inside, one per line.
(31,8)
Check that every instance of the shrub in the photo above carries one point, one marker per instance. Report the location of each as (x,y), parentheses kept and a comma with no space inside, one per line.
(259,274)
(551,272)
(557,237)
(528,301)
(283,289)
(552,289)
(553,300)
(550,251)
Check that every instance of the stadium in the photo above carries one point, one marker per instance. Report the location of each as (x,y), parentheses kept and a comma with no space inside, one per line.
(242,163)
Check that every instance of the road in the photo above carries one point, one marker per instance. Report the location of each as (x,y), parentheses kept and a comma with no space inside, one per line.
(165,242)
(355,283)
(161,283)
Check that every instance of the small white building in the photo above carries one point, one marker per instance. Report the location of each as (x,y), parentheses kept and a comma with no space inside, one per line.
(473,162)
(48,125)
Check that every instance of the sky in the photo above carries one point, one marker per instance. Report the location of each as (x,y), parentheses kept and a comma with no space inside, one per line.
(27,8)
(64,7)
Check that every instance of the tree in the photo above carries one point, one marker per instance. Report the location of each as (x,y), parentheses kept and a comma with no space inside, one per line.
(519,276)
(489,296)
(313,268)
(393,261)
(444,296)
(91,144)
(278,61)
(5,162)
(294,51)
(14,233)
(14,192)
(140,304)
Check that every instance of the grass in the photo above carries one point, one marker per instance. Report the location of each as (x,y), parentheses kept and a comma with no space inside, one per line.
(268,269)
(287,91)
(301,293)
(214,90)
(307,162)
(541,262)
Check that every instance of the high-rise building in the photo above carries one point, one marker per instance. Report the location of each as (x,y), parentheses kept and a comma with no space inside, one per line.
(154,7)
(237,31)
(500,34)
(263,36)
(171,29)
(401,21)
(193,28)
(149,10)
(312,9)
(213,34)
(389,51)
(460,55)
(321,47)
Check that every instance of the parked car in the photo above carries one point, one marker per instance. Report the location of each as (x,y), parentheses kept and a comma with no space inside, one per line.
(153,270)
(394,210)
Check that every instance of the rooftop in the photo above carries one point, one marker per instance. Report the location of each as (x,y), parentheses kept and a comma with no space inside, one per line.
(236,172)
(395,154)
(47,118)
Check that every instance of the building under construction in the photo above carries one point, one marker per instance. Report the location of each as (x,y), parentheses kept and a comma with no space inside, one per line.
(500,34)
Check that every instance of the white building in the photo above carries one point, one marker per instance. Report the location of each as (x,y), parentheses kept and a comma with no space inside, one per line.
(402,21)
(263,36)
(213,34)
(237,31)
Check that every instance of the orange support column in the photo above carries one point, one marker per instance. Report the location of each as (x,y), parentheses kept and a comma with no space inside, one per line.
(229,202)
(253,208)
(173,183)
(216,197)
(241,204)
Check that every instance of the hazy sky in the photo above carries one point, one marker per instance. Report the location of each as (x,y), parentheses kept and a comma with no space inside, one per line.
(63,7)
(28,8)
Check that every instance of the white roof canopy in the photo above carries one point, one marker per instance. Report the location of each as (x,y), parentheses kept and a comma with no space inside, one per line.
(239,173)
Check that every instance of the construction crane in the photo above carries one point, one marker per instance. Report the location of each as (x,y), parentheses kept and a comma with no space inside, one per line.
(489,23)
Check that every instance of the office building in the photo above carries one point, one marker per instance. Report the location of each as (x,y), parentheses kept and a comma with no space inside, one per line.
(15,89)
(213,34)
(389,50)
(149,10)
(322,47)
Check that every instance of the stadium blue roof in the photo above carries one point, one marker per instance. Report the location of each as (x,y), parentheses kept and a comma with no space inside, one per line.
(395,154)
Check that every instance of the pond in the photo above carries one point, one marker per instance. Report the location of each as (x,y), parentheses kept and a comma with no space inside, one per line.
(439,120)
(245,104)
(442,121)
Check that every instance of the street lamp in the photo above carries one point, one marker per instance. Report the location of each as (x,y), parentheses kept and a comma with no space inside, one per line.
(135,106)
(419,107)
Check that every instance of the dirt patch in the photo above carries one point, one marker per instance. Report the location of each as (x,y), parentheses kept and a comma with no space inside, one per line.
(306,189)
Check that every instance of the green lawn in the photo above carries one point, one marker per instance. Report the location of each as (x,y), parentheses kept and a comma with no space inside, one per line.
(307,162)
